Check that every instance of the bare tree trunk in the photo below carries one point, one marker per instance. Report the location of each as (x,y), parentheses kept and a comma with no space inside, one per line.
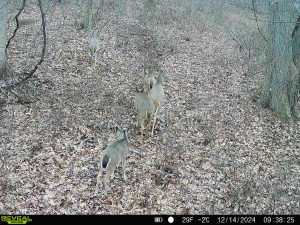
(3,4)
(75,8)
(150,8)
(296,59)
(88,14)
(281,85)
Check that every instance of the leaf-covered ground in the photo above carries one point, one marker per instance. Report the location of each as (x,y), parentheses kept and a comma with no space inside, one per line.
(215,151)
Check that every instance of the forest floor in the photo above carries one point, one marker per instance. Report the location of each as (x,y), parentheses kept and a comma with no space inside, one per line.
(215,150)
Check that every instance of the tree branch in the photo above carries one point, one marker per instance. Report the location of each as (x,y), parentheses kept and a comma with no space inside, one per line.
(17,27)
(28,75)
(254,12)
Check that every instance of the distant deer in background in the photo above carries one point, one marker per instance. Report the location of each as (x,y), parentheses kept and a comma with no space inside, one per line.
(94,46)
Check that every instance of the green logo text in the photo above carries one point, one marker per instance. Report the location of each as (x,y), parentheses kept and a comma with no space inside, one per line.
(16,219)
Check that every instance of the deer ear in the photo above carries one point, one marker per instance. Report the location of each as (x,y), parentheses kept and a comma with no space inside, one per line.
(146,71)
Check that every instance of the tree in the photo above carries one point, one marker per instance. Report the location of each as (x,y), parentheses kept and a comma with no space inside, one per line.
(88,16)
(150,8)
(281,86)
(83,14)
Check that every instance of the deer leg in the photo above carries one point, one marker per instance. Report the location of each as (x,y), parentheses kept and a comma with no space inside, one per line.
(149,121)
(154,121)
(98,180)
(95,60)
(142,127)
(124,170)
(137,121)
(105,182)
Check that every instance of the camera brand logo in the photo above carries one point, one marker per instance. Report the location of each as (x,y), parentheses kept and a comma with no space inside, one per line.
(16,219)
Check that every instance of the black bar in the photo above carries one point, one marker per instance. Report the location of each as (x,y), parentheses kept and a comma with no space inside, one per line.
(149,219)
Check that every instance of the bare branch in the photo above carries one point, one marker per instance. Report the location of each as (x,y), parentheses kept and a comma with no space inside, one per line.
(296,26)
(254,12)
(240,45)
(17,27)
(28,75)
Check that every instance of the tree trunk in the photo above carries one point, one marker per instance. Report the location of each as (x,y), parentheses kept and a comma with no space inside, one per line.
(88,14)
(296,59)
(3,5)
(281,86)
(76,12)
(150,9)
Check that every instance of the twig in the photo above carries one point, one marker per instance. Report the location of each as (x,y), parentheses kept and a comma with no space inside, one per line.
(240,45)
